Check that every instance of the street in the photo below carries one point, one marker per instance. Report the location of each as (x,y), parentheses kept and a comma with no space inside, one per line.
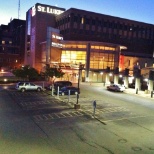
(37,123)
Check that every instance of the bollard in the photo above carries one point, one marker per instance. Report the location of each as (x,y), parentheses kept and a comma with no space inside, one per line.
(52,88)
(58,92)
(69,95)
(137,91)
(77,106)
(151,94)
(94,107)
(77,96)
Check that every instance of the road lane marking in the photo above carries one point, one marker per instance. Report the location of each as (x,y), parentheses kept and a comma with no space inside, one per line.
(126,118)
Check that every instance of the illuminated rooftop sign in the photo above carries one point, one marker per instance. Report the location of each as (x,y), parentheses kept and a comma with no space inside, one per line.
(46,9)
(55,40)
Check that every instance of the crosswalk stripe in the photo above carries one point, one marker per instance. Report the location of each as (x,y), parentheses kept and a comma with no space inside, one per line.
(50,116)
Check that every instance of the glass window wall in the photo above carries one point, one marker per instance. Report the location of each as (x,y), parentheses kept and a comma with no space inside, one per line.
(102,48)
(74,46)
(100,60)
(73,57)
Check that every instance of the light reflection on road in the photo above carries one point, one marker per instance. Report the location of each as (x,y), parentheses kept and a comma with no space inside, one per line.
(6,86)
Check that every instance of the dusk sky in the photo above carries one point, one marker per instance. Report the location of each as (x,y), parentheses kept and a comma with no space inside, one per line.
(139,10)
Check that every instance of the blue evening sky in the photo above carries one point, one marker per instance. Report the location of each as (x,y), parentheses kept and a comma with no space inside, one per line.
(139,10)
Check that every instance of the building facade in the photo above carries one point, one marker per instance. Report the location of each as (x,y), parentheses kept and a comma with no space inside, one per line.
(99,40)
(38,18)
(12,44)
(138,37)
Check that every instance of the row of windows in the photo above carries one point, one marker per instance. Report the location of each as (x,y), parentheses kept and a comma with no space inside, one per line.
(102,57)
(102,48)
(99,65)
(8,60)
(92,47)
(111,27)
(6,42)
(73,46)
(98,60)
(103,23)
(114,35)
(73,56)
(8,52)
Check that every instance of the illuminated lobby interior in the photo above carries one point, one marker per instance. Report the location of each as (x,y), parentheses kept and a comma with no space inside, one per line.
(95,56)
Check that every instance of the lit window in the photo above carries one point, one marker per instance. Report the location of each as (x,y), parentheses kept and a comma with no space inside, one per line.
(3,42)
(96,47)
(102,47)
(106,48)
(81,46)
(82,20)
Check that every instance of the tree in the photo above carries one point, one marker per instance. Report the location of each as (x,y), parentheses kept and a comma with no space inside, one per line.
(26,72)
(54,72)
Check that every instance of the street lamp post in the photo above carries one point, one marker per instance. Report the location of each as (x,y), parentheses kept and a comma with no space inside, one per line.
(78,86)
(81,66)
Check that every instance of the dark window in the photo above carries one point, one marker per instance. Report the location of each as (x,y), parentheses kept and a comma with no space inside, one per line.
(75,19)
(98,22)
(87,21)
(93,22)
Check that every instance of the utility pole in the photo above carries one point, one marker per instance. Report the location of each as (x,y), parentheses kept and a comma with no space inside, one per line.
(81,66)
(18,9)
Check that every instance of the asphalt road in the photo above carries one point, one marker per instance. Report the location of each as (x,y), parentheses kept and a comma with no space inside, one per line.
(37,123)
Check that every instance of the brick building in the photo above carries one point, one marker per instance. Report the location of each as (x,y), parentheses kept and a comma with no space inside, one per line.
(129,38)
(12,44)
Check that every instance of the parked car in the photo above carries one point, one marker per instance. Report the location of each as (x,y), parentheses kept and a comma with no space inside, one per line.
(28,86)
(59,84)
(116,87)
(62,83)
(65,90)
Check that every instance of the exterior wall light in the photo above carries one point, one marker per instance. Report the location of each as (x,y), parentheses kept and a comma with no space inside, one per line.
(110,74)
(5,80)
(146,80)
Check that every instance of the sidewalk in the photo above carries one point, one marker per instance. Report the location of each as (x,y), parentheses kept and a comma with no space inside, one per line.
(139,93)
(128,90)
